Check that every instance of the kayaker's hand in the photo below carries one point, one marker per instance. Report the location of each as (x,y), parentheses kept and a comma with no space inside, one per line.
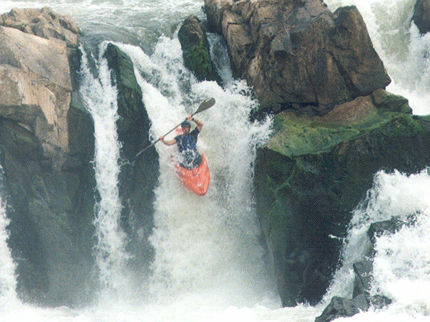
(162,139)
(189,117)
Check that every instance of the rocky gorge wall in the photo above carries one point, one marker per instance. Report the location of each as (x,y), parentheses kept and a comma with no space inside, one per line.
(46,153)
(46,147)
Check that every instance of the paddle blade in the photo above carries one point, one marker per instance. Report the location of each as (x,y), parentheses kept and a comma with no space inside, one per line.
(207,103)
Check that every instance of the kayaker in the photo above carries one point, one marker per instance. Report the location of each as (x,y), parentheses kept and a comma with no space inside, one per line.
(187,143)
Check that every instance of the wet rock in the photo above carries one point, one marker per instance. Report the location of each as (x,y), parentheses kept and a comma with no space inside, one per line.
(46,148)
(195,50)
(421,15)
(342,307)
(396,103)
(379,301)
(380,228)
(363,277)
(137,179)
(298,53)
(313,172)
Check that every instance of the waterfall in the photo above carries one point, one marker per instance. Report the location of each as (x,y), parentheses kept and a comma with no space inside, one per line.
(100,99)
(203,245)
(7,265)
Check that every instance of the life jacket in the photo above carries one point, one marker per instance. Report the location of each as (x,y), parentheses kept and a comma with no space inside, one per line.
(189,157)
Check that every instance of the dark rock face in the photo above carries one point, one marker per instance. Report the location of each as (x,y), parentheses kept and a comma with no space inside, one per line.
(298,53)
(138,179)
(363,276)
(422,15)
(46,147)
(383,227)
(195,50)
(314,171)
(51,217)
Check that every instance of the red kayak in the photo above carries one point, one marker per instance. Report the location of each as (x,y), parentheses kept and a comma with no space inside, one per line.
(197,179)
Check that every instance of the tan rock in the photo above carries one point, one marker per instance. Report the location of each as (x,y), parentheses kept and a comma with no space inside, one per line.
(35,86)
(44,23)
(350,112)
(296,53)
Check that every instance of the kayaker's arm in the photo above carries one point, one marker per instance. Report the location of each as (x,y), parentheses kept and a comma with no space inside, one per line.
(198,122)
(167,142)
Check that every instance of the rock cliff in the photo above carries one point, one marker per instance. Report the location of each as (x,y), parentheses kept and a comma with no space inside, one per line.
(46,146)
(298,54)
(362,298)
(315,170)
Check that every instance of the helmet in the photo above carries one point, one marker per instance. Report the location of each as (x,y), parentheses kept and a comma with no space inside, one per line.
(185,124)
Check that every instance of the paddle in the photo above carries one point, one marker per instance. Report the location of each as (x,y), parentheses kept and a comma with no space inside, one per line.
(207,103)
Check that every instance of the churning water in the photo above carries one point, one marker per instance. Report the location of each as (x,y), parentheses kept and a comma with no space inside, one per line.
(7,268)
(209,263)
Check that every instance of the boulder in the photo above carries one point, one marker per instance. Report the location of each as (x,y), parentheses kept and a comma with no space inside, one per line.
(421,15)
(363,276)
(313,172)
(380,228)
(342,307)
(195,50)
(298,53)
(137,177)
(36,88)
(45,151)
(380,301)
(44,23)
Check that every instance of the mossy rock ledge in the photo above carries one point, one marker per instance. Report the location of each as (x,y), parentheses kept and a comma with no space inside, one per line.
(195,50)
(314,171)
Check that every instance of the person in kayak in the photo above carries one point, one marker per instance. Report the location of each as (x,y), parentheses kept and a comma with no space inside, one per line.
(190,158)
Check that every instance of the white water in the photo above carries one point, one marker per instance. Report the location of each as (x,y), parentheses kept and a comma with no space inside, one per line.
(208,264)
(100,98)
(7,266)
(207,248)
(401,268)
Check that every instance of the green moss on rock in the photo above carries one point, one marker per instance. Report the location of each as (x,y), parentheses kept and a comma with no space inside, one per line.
(389,101)
(296,135)
(195,50)
(137,179)
(315,170)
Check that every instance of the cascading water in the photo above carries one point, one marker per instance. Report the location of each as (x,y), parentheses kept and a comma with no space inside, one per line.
(191,233)
(100,98)
(7,265)
(401,264)
(209,264)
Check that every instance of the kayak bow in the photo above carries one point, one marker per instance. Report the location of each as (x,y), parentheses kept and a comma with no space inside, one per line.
(197,179)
